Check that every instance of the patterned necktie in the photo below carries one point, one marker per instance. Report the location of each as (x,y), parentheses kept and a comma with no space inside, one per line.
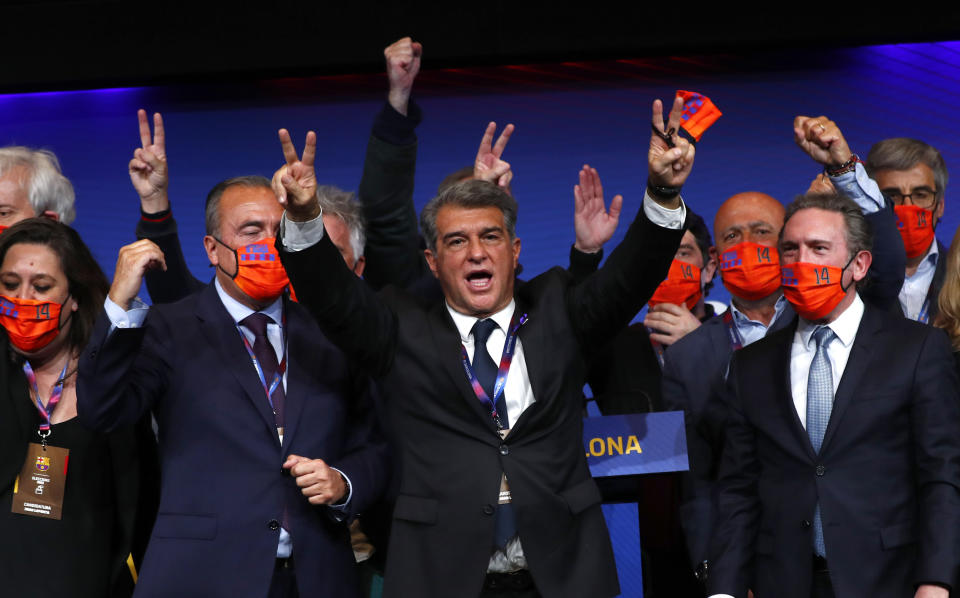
(263,350)
(484,366)
(819,406)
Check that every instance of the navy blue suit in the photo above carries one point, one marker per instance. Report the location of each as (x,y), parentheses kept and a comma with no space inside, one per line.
(695,368)
(223,492)
(887,476)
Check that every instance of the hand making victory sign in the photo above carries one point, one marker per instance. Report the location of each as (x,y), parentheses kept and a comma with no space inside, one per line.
(296,182)
(669,166)
(488,165)
(148,168)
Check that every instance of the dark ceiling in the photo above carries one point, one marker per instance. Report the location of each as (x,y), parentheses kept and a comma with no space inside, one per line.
(52,45)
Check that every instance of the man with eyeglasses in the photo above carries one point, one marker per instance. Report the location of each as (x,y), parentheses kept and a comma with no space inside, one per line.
(912,175)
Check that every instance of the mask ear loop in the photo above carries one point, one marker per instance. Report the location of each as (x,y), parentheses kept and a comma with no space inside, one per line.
(236,259)
(844,269)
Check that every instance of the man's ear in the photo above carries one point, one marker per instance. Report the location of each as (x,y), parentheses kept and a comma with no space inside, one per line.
(861,264)
(431,261)
(210,246)
(359,265)
(516,253)
(709,269)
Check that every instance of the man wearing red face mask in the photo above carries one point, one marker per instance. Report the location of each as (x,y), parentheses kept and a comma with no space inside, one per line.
(840,474)
(746,229)
(264,451)
(913,177)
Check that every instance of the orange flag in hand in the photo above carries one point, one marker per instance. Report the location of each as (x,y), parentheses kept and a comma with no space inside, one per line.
(698,113)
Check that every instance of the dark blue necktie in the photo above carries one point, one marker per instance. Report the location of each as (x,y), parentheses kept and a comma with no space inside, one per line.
(484,366)
(505,523)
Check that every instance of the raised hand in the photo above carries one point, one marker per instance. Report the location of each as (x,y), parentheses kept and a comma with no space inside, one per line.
(132,264)
(669,167)
(148,168)
(821,184)
(593,224)
(488,165)
(403,64)
(320,483)
(670,322)
(821,139)
(299,181)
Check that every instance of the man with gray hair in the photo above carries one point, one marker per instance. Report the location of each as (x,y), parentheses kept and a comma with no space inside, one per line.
(913,176)
(31,184)
(840,474)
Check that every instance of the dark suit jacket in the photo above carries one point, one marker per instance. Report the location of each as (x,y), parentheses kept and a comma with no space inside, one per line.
(887,477)
(223,490)
(694,376)
(452,456)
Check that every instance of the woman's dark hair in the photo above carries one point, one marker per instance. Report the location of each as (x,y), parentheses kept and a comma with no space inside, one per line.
(87,283)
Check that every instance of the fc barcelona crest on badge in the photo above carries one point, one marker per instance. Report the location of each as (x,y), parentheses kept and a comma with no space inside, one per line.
(43,463)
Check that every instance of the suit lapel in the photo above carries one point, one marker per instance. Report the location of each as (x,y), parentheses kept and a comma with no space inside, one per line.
(856,367)
(781,358)
(222,332)
(447,343)
(298,363)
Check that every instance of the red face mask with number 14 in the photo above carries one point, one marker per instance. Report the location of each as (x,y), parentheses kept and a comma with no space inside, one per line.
(681,286)
(30,324)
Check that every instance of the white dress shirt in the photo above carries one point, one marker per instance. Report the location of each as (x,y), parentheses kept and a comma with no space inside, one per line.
(913,293)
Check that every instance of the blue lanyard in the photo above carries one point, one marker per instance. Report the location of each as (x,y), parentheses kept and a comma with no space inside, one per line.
(924,315)
(281,368)
(733,335)
(506,359)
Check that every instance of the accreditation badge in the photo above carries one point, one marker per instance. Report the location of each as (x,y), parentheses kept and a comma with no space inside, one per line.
(38,490)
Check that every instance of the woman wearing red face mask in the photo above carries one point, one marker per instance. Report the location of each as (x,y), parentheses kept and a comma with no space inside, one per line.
(74,505)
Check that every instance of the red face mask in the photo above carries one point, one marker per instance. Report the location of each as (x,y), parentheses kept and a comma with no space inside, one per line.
(813,290)
(751,271)
(31,324)
(681,286)
(260,274)
(916,228)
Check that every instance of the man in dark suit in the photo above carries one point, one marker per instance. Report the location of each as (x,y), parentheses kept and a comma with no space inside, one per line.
(264,449)
(840,474)
(913,177)
(495,492)
(746,229)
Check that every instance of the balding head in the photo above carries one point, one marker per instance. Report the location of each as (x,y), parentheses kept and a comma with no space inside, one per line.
(751,216)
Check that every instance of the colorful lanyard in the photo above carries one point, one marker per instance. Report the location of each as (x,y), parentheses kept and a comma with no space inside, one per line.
(733,335)
(658,349)
(281,368)
(924,316)
(508,348)
(45,412)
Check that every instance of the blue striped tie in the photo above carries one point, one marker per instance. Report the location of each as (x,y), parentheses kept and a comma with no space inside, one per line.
(819,406)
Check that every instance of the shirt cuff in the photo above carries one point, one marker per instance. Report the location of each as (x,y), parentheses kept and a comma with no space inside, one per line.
(662,216)
(132,318)
(297,236)
(859,187)
(342,506)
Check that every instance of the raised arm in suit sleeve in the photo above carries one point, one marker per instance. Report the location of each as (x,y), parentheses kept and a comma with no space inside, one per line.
(348,311)
(176,282)
(889,261)
(393,251)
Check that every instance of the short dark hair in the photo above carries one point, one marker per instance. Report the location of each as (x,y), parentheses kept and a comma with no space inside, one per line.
(858,231)
(698,228)
(86,282)
(457,176)
(212,208)
(468,194)
(903,153)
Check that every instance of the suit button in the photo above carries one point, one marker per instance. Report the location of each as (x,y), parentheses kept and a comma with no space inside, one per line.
(504,449)
(273,524)
(805,524)
(489,510)
(821,470)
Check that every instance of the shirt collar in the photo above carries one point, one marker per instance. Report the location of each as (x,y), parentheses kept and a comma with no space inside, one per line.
(742,319)
(464,323)
(239,311)
(845,326)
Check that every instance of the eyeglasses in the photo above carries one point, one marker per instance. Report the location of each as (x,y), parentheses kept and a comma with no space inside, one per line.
(922,197)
